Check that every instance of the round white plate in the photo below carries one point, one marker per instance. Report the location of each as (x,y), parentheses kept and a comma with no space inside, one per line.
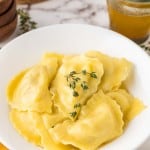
(27,49)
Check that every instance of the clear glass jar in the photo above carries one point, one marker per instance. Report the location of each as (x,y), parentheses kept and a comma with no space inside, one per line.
(130,18)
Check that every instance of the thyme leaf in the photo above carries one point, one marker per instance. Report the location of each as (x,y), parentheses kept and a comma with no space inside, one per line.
(84,72)
(75,94)
(73,114)
(84,85)
(146,47)
(73,79)
(26,23)
(93,75)
(78,105)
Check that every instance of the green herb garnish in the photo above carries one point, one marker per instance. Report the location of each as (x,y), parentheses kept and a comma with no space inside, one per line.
(73,114)
(78,105)
(93,75)
(25,24)
(84,85)
(73,79)
(75,94)
(146,48)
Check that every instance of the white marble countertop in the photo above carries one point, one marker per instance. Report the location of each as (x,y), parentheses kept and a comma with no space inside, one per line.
(50,12)
(69,11)
(66,11)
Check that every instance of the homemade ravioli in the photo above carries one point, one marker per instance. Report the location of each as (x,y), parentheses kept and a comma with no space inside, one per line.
(32,93)
(101,120)
(115,70)
(129,105)
(66,83)
(25,123)
(72,102)
(29,89)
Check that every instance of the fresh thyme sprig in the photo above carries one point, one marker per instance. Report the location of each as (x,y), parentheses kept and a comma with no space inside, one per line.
(73,79)
(74,113)
(92,74)
(26,23)
(146,48)
(78,105)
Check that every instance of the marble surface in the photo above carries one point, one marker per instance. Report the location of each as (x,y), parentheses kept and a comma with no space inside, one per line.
(69,11)
(66,11)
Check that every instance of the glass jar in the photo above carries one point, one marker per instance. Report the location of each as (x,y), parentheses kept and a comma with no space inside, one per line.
(130,18)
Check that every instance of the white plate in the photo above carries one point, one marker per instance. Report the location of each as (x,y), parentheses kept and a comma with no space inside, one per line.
(27,49)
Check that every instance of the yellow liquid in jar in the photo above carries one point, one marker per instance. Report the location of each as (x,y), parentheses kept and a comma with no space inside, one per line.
(2,147)
(134,25)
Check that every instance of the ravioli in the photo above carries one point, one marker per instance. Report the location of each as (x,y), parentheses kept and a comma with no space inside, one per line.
(52,61)
(48,57)
(32,91)
(13,84)
(31,122)
(129,105)
(72,102)
(25,124)
(136,108)
(63,93)
(115,70)
(122,98)
(46,139)
(99,121)
(50,120)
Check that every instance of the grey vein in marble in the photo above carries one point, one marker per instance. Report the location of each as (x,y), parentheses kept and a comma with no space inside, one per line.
(70,11)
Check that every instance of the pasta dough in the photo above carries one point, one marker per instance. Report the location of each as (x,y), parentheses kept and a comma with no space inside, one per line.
(122,98)
(32,92)
(25,124)
(46,140)
(99,121)
(50,120)
(29,89)
(115,70)
(129,105)
(72,102)
(64,98)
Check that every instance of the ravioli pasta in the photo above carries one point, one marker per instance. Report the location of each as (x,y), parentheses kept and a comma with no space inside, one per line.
(102,123)
(115,70)
(65,100)
(72,102)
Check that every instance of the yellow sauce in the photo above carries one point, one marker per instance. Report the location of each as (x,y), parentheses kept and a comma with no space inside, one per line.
(2,147)
(130,19)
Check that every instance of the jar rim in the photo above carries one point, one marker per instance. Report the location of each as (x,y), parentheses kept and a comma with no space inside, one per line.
(136,4)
